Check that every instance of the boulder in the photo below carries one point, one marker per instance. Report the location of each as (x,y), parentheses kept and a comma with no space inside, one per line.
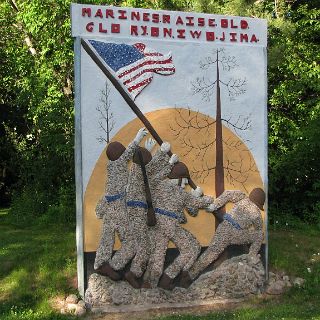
(276,287)
(298,282)
(72,298)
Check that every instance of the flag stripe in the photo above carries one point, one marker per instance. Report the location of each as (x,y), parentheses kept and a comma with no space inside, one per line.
(162,70)
(146,62)
(144,82)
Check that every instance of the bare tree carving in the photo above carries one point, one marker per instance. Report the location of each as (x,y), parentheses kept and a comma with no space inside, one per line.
(187,125)
(106,119)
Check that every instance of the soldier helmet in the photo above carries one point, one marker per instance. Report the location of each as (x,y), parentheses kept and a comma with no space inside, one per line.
(115,150)
(146,156)
(179,170)
(258,197)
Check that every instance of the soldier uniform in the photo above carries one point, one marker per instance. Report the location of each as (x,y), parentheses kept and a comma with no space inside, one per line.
(242,225)
(170,202)
(112,208)
(137,209)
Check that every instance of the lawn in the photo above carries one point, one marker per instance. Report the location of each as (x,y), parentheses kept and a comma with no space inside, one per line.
(38,264)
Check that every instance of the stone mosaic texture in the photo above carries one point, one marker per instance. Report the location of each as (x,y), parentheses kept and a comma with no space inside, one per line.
(237,277)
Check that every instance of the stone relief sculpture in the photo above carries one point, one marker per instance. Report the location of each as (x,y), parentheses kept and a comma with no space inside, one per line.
(124,209)
(147,196)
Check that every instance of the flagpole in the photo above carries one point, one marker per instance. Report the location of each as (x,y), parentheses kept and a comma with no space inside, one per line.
(100,63)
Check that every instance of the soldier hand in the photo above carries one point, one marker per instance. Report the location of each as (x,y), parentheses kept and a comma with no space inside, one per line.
(174,159)
(140,135)
(165,147)
(149,144)
(197,192)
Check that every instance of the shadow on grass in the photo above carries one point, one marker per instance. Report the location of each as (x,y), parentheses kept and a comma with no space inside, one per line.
(36,264)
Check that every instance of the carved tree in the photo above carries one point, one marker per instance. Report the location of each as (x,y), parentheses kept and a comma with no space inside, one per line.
(211,130)
(106,120)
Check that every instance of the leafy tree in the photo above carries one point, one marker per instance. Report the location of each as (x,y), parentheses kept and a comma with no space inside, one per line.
(36,120)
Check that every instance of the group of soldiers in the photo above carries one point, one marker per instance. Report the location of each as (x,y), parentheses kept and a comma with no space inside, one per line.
(145,206)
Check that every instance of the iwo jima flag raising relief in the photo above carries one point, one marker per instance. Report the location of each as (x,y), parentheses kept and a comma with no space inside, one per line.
(195,80)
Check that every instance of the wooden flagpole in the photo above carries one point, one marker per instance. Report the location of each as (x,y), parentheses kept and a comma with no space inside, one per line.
(102,65)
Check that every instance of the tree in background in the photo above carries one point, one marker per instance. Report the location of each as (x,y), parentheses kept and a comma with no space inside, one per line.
(37,101)
(36,120)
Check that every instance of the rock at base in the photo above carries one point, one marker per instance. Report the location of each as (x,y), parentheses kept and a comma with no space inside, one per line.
(72,298)
(276,287)
(234,278)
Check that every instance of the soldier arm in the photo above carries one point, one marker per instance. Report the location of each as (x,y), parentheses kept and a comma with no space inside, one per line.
(158,162)
(257,220)
(129,152)
(193,203)
(163,173)
(100,208)
(228,196)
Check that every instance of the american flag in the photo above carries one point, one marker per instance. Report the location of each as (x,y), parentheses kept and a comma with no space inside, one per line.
(133,65)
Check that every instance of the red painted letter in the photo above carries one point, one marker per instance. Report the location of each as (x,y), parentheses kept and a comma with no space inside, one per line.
(135,15)
(109,13)
(101,28)
(233,25)
(179,21)
(243,37)
(99,13)
(166,18)
(212,23)
(210,36)
(146,16)
(144,30)
(122,15)
(200,22)
(243,24)
(224,23)
(195,34)
(134,30)
(190,21)
(86,11)
(115,28)
(167,32)
(155,18)
(233,36)
(254,38)
(181,33)
(154,32)
(89,26)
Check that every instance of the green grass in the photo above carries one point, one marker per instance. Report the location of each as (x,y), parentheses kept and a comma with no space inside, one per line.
(37,264)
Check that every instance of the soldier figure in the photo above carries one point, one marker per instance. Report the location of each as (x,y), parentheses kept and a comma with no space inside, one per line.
(137,204)
(170,201)
(112,209)
(242,225)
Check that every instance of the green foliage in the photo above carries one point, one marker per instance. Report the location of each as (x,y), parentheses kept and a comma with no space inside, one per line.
(294,114)
(36,100)
(37,95)
(32,206)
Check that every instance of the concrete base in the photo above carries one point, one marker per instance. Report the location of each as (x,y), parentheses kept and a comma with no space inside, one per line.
(215,303)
